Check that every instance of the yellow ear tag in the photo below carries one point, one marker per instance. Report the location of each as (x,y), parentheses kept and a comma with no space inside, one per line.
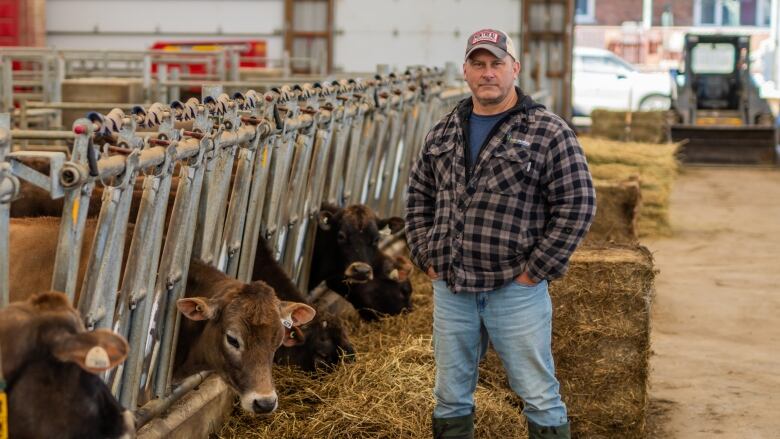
(3,414)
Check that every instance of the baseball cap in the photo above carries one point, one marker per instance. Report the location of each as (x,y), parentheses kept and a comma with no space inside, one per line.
(496,41)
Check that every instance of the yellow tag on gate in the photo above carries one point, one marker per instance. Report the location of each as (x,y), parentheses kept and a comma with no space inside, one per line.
(75,212)
(3,415)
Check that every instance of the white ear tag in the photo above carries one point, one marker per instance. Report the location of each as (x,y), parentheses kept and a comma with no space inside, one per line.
(385,231)
(287,323)
(97,358)
(394,275)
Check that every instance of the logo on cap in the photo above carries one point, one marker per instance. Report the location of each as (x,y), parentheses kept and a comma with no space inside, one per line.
(484,36)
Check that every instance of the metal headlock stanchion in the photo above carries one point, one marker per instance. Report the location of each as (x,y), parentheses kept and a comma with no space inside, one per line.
(248,165)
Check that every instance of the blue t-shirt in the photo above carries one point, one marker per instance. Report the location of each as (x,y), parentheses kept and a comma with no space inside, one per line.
(479,128)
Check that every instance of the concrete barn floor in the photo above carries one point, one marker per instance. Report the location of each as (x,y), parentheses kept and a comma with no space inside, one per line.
(716,315)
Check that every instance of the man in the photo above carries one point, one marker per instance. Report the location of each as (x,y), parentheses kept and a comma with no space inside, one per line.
(498,200)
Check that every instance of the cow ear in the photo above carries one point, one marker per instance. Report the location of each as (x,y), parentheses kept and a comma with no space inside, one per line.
(94,351)
(197,308)
(295,313)
(395,224)
(325,220)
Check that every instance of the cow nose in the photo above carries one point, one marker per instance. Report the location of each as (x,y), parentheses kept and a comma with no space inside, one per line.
(363,269)
(264,405)
(359,272)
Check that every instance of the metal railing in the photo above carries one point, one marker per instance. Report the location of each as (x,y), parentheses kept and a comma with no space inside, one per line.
(37,74)
(247,164)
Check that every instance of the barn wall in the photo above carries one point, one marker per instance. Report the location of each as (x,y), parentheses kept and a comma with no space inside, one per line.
(142,22)
(407,32)
(368,32)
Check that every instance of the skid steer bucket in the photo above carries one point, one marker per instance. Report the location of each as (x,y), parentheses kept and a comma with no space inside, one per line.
(740,145)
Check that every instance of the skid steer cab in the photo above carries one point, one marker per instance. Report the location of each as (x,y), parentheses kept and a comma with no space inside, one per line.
(719,114)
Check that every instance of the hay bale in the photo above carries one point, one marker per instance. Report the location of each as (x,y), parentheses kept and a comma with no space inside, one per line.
(617,209)
(600,343)
(637,126)
(601,340)
(656,167)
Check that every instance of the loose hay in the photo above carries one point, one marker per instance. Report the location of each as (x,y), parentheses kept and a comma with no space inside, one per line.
(654,165)
(600,343)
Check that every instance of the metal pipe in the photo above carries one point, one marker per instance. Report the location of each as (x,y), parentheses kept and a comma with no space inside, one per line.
(42,135)
(158,406)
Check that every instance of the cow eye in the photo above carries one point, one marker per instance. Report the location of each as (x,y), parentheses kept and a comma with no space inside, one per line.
(342,237)
(232,341)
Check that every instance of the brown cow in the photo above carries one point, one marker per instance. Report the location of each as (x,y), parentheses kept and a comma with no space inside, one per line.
(235,328)
(50,364)
(325,342)
(33,243)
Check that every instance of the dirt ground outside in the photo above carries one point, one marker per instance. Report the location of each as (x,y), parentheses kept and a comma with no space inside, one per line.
(716,315)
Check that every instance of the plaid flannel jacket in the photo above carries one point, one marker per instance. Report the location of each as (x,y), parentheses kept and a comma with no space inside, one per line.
(526,204)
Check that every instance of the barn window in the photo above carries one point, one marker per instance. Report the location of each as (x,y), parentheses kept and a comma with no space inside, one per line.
(732,12)
(585,11)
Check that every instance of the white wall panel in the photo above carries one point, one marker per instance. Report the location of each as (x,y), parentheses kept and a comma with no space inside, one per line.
(408,32)
(162,16)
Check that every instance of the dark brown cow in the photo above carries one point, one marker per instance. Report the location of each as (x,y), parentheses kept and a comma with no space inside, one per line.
(50,364)
(389,292)
(324,339)
(235,329)
(347,257)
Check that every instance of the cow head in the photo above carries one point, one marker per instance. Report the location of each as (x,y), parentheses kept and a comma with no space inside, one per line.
(354,233)
(244,326)
(51,365)
(389,293)
(323,342)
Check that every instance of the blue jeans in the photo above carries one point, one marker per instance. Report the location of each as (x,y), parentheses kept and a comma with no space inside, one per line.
(517,320)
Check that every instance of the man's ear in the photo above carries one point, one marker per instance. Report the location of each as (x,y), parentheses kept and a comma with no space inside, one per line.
(198,308)
(325,220)
(95,351)
(395,224)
